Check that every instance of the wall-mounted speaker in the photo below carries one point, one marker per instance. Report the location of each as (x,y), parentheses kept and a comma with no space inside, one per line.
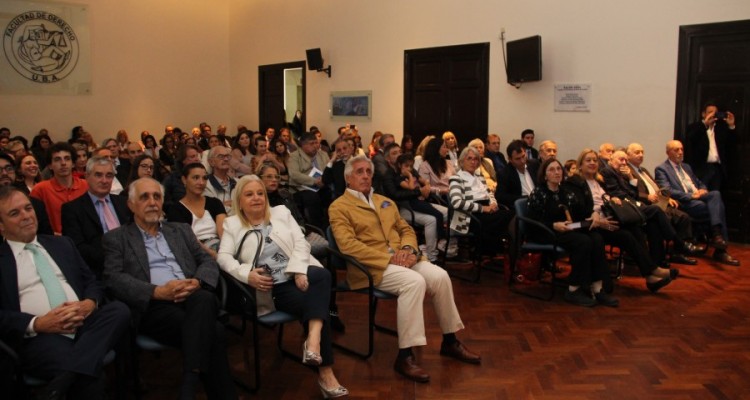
(314,59)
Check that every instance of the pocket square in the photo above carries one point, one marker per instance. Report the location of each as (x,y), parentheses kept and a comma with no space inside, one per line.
(385,204)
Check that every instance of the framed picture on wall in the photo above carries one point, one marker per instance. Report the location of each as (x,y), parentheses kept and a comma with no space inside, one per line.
(351,106)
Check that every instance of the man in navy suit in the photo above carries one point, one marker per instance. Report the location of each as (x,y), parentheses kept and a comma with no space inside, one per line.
(8,177)
(695,199)
(161,271)
(85,219)
(518,178)
(51,306)
(708,144)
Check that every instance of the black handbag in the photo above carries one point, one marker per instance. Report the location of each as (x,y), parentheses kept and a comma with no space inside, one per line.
(626,214)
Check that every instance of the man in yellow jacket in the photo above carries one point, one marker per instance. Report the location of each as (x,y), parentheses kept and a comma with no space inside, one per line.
(368,227)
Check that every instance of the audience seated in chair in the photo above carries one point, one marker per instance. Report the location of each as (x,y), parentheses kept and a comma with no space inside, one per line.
(62,328)
(265,248)
(368,227)
(161,271)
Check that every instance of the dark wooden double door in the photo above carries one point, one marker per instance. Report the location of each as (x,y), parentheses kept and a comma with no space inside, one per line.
(447,89)
(714,65)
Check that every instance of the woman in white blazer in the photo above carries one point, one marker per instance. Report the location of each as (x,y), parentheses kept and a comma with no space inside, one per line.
(265,248)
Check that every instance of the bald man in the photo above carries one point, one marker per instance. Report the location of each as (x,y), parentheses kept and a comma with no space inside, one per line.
(695,199)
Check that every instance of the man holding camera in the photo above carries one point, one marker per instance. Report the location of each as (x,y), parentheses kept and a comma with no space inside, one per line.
(708,143)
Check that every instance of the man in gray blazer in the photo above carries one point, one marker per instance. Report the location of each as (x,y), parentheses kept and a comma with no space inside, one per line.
(160,270)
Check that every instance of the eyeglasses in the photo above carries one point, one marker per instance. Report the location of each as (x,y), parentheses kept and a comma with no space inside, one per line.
(146,166)
(8,169)
(223,156)
(271,177)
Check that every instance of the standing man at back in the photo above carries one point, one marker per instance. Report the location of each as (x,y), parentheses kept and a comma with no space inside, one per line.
(708,141)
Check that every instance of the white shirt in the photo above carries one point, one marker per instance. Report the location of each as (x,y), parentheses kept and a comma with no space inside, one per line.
(596,192)
(713,152)
(359,195)
(527,184)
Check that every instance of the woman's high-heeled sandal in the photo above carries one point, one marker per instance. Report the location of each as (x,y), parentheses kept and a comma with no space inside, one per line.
(332,393)
(310,357)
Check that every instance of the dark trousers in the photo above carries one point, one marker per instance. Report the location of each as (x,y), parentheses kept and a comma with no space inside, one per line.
(658,229)
(47,355)
(709,206)
(192,327)
(494,225)
(680,220)
(711,176)
(632,244)
(310,304)
(587,258)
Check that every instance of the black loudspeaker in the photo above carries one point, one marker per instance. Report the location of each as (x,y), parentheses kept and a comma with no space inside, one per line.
(314,59)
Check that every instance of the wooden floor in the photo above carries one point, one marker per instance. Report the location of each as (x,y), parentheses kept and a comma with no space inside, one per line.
(690,341)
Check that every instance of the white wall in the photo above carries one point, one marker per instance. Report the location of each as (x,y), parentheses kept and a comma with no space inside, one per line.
(186,61)
(153,63)
(626,50)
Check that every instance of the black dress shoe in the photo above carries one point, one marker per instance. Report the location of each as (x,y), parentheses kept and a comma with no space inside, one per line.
(606,299)
(724,258)
(718,242)
(580,297)
(409,368)
(692,249)
(656,286)
(458,351)
(678,258)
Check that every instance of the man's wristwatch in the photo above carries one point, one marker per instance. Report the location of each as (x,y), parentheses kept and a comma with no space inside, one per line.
(414,251)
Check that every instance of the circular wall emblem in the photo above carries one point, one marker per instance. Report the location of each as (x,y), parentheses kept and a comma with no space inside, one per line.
(41,46)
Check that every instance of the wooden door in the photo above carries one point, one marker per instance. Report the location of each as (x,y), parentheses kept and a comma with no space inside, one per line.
(447,89)
(271,94)
(714,64)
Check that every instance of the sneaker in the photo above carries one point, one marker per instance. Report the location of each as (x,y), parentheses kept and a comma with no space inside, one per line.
(423,248)
(580,298)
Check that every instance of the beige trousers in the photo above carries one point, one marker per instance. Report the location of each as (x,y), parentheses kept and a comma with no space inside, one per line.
(410,286)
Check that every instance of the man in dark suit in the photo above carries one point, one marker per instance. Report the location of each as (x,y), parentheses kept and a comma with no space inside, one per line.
(161,271)
(61,328)
(695,199)
(708,143)
(649,192)
(518,179)
(492,144)
(8,177)
(87,218)
(619,182)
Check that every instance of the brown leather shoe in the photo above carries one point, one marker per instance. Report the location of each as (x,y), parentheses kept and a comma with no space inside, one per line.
(409,368)
(458,351)
(718,242)
(724,258)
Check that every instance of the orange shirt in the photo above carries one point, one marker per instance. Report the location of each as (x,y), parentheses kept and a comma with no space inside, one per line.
(55,195)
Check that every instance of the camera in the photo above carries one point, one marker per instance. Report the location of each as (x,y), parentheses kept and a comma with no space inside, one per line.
(721,115)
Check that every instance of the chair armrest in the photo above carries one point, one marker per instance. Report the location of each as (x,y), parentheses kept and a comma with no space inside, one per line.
(315,229)
(543,228)
(352,261)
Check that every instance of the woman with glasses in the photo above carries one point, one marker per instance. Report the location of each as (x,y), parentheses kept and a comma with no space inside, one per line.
(143,165)
(204,214)
(472,202)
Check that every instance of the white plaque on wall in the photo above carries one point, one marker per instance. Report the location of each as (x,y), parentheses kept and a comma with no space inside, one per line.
(45,48)
(573,97)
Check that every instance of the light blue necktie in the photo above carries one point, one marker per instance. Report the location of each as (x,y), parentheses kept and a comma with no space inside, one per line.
(55,292)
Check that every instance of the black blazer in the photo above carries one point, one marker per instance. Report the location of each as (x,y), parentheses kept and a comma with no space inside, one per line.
(81,223)
(696,148)
(509,185)
(13,322)
(615,184)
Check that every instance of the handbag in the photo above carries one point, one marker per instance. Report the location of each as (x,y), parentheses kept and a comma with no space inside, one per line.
(626,213)
(528,266)
(263,300)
